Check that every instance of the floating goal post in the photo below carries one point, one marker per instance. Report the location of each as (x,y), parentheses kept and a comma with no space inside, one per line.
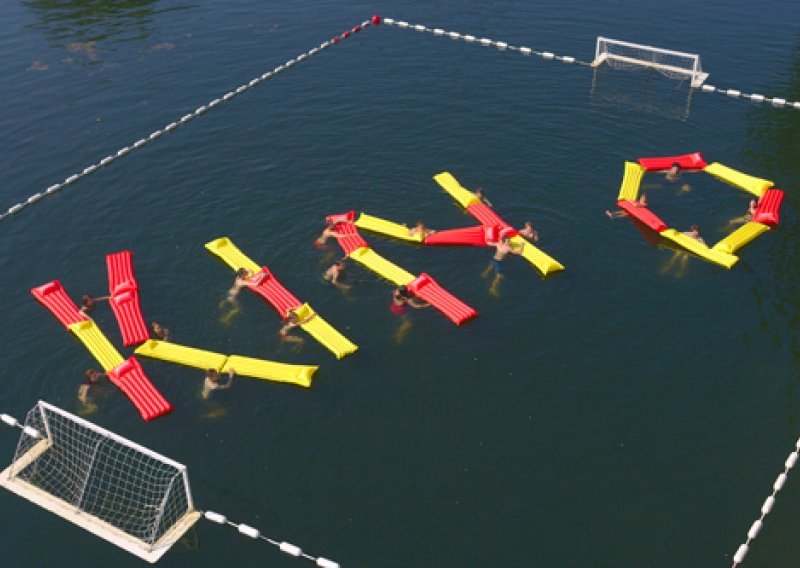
(626,55)
(112,487)
(116,489)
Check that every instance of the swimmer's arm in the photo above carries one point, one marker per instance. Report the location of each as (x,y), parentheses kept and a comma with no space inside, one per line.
(83,391)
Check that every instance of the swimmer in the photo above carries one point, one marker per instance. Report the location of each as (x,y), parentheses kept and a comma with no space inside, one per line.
(694,233)
(292,321)
(502,249)
(335,272)
(244,278)
(420,229)
(480,194)
(160,332)
(641,202)
(213,381)
(327,233)
(673,172)
(402,298)
(88,302)
(747,217)
(91,378)
(529,232)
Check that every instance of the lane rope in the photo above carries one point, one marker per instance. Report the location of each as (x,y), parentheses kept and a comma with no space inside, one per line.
(766,507)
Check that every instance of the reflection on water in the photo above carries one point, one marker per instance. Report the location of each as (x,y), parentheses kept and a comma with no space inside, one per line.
(80,25)
(644,90)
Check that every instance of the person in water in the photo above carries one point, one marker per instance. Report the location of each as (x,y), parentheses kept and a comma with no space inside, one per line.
(90,378)
(641,202)
(402,298)
(213,381)
(747,217)
(694,232)
(335,273)
(481,195)
(328,233)
(160,332)
(674,172)
(503,248)
(420,229)
(529,232)
(88,303)
(292,321)
(244,278)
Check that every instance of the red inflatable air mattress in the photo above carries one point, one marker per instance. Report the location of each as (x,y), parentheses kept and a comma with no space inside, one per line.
(692,161)
(274,293)
(643,214)
(426,288)
(471,236)
(485,215)
(352,241)
(131,380)
(769,207)
(128,312)
(54,298)
(125,298)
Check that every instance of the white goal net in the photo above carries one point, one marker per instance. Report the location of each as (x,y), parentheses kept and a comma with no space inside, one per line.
(121,491)
(626,55)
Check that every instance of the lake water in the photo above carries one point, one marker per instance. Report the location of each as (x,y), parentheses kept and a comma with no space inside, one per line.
(621,413)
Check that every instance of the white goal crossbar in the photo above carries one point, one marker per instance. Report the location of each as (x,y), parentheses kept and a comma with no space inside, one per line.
(118,490)
(669,62)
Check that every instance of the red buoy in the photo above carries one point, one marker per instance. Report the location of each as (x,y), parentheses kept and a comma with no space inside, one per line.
(376,20)
(345,35)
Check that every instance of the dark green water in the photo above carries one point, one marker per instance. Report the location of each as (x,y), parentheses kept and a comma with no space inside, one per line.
(614,415)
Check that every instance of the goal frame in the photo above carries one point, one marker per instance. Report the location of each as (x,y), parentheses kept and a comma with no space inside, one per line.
(696,74)
(91,523)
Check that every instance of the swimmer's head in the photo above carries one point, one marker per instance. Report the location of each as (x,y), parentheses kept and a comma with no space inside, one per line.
(242,273)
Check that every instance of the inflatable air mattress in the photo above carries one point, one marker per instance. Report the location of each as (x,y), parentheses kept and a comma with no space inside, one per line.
(693,161)
(769,207)
(754,185)
(740,237)
(427,289)
(97,344)
(388,228)
(271,371)
(631,180)
(189,356)
(132,381)
(699,249)
(53,297)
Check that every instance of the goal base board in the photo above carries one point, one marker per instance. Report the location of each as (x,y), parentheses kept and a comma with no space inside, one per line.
(697,78)
(88,522)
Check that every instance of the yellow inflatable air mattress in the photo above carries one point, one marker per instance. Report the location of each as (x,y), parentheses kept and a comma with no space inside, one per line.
(542,261)
(168,351)
(384,227)
(97,344)
(740,237)
(463,196)
(754,185)
(383,267)
(631,181)
(325,333)
(231,255)
(699,249)
(271,371)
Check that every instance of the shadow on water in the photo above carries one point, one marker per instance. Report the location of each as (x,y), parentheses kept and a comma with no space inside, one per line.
(773,146)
